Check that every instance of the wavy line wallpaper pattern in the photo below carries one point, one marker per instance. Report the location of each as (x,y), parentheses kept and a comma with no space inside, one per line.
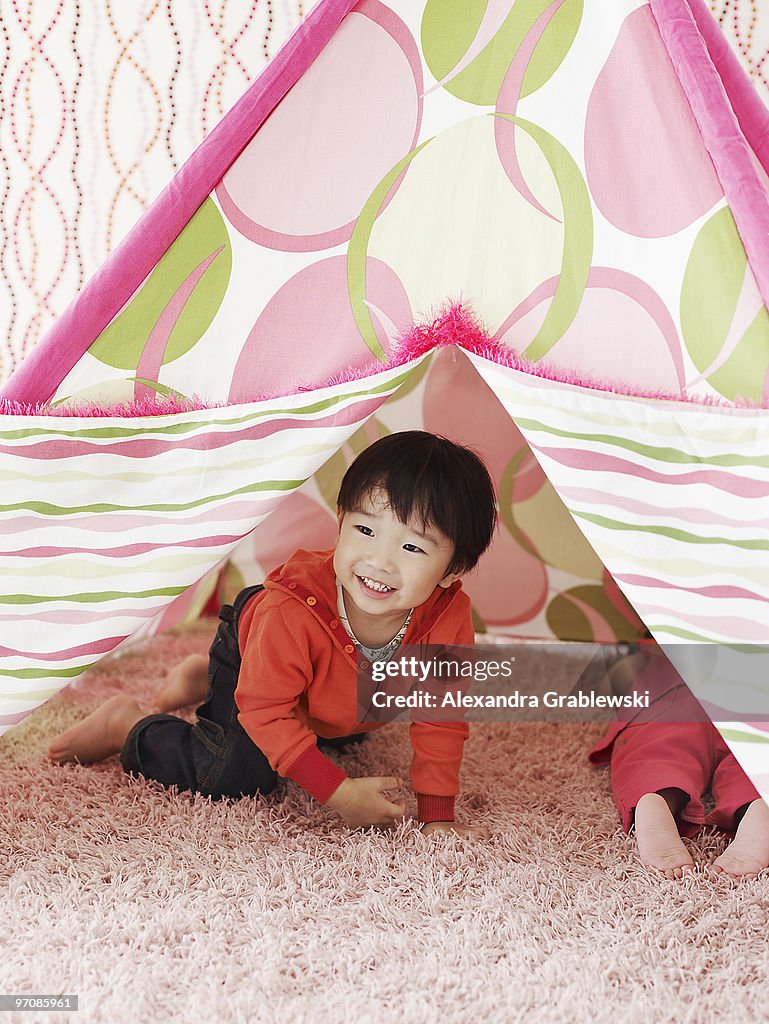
(101,102)
(746,24)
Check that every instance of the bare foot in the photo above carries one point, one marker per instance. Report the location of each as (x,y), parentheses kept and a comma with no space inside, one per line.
(748,852)
(659,843)
(186,683)
(100,735)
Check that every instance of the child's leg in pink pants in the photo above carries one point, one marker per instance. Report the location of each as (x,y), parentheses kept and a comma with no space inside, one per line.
(655,756)
(732,789)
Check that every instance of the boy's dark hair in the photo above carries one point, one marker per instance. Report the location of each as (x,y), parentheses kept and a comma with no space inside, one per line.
(432,479)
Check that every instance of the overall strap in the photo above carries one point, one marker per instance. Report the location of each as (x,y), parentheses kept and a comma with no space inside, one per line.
(243,598)
(229,615)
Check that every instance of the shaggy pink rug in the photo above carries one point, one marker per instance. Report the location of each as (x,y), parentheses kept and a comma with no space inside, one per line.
(154,906)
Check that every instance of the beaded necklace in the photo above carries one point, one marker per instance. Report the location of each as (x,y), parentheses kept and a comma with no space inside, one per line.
(383,653)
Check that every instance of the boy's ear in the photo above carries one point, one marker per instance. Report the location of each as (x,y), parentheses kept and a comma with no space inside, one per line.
(449,579)
(339,516)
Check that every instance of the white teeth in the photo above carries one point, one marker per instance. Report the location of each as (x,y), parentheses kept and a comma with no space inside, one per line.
(375,585)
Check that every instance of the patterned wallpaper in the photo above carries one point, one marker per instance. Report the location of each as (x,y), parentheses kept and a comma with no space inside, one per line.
(101,102)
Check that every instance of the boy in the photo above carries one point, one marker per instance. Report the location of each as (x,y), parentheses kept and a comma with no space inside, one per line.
(663,760)
(415,513)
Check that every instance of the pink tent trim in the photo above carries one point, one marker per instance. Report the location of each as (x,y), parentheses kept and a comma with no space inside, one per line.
(715,92)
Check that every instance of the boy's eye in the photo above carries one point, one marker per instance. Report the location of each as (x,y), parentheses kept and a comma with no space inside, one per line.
(365,530)
(413,547)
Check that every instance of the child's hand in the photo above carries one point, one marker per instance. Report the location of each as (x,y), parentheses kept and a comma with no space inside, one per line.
(472,831)
(360,801)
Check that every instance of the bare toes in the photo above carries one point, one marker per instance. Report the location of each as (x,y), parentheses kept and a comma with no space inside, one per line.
(59,752)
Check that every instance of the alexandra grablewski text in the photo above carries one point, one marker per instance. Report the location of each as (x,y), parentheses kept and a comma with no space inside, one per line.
(550,699)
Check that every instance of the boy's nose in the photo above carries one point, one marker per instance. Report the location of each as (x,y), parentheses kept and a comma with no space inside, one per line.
(382,560)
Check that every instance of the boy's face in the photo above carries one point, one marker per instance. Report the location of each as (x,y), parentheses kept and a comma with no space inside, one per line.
(386,566)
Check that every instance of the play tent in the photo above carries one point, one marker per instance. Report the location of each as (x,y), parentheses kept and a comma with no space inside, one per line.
(538,227)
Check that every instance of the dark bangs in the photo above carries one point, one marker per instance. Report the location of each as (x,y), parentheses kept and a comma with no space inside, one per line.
(433,481)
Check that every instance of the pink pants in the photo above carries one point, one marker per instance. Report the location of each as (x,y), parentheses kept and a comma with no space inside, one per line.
(691,756)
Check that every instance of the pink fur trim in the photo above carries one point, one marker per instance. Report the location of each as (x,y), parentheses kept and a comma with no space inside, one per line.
(452,324)
(455,324)
(158,405)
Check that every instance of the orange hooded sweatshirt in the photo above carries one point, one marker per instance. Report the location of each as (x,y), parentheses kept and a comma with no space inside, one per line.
(298,681)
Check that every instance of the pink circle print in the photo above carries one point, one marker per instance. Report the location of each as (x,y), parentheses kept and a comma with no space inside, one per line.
(307,335)
(302,181)
(648,170)
(510,583)
(623,333)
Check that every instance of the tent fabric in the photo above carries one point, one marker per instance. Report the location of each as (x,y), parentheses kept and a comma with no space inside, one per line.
(588,177)
(640,478)
(523,188)
(107,520)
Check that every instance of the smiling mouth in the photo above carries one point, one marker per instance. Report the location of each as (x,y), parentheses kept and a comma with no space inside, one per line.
(380,588)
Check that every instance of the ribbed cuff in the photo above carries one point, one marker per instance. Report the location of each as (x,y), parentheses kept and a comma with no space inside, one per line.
(314,772)
(435,808)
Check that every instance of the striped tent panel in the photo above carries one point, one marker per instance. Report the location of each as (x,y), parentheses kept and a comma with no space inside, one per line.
(104,522)
(674,498)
